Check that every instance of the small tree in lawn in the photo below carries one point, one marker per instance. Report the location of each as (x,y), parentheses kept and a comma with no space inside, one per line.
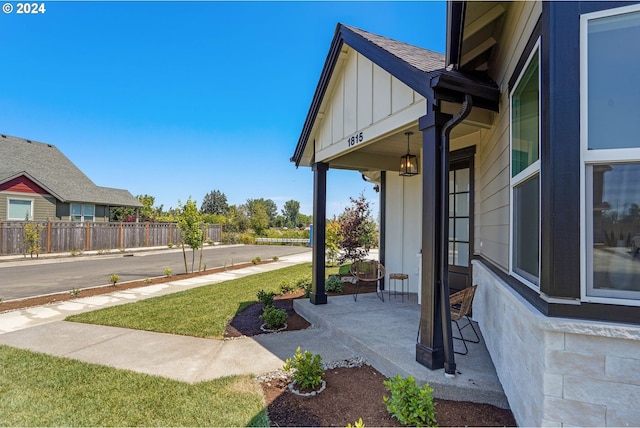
(357,230)
(190,225)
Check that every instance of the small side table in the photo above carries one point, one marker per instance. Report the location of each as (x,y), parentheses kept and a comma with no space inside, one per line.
(395,277)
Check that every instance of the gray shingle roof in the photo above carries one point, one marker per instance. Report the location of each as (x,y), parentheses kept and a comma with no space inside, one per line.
(52,170)
(420,58)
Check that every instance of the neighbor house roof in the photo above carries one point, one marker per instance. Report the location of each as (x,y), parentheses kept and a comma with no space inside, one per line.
(53,171)
(420,69)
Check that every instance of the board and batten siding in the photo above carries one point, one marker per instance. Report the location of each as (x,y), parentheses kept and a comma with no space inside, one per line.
(362,97)
(404,227)
(492,193)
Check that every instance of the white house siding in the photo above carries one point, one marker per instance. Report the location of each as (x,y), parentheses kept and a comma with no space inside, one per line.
(362,98)
(555,371)
(404,227)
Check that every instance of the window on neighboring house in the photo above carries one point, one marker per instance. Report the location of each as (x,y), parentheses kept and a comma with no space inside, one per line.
(610,133)
(83,212)
(20,209)
(525,172)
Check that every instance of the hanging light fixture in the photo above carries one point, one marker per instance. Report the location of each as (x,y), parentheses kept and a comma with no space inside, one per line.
(408,162)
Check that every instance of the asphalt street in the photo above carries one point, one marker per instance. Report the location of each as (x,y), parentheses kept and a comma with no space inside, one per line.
(29,277)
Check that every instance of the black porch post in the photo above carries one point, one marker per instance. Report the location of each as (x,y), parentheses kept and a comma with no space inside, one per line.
(383,223)
(430,348)
(318,294)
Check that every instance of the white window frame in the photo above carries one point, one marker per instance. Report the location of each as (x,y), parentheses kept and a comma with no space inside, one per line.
(17,198)
(82,208)
(528,172)
(588,158)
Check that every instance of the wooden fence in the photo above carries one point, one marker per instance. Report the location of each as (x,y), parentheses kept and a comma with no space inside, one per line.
(64,236)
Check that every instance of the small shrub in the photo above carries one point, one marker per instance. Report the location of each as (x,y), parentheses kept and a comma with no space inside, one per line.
(333,284)
(357,424)
(74,292)
(305,283)
(273,317)
(266,298)
(167,272)
(147,280)
(170,245)
(307,291)
(288,286)
(114,279)
(75,252)
(247,239)
(256,260)
(276,258)
(306,369)
(410,404)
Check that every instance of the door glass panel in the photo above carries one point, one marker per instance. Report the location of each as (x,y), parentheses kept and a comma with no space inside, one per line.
(462,254)
(459,212)
(462,180)
(462,205)
(462,229)
(452,205)
(451,252)
(451,229)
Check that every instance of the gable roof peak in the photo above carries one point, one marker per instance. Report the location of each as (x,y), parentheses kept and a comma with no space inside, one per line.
(422,59)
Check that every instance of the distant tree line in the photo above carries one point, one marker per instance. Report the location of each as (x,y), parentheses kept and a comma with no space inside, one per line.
(257,215)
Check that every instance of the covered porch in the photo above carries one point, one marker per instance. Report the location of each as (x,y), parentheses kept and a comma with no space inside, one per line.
(384,333)
(380,102)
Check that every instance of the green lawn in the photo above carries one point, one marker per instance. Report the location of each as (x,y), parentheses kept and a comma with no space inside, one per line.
(201,312)
(40,390)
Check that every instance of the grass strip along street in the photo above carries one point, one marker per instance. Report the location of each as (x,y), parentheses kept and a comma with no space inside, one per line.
(200,312)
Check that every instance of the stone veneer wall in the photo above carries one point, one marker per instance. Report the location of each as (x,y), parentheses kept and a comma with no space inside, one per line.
(558,371)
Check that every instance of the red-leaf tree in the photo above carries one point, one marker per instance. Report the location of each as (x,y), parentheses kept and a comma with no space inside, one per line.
(358,232)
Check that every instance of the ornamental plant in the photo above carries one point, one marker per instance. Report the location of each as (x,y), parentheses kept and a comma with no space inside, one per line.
(273,317)
(333,284)
(410,404)
(114,279)
(266,298)
(288,286)
(306,369)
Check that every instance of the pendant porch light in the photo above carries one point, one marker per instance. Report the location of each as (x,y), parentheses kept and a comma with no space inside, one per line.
(408,162)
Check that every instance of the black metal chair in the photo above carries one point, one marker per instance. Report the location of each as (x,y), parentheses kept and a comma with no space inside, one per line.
(367,271)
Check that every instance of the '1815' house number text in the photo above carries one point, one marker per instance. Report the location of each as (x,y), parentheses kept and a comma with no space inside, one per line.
(355,139)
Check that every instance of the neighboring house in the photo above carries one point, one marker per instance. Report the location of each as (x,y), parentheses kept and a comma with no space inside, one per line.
(527,137)
(37,182)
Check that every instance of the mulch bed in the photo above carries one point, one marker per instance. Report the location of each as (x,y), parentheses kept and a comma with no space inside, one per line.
(357,392)
(351,393)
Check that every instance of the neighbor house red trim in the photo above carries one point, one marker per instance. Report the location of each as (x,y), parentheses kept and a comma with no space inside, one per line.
(22,185)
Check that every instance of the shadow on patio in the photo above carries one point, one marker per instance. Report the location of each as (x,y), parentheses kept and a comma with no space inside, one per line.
(385,334)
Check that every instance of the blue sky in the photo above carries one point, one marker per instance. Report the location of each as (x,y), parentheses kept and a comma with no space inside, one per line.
(175,99)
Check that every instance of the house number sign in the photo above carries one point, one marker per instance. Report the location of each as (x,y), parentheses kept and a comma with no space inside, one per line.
(355,139)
